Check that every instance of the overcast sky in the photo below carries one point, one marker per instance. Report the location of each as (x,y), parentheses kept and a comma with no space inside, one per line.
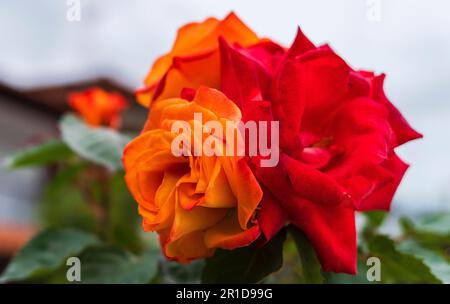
(120,39)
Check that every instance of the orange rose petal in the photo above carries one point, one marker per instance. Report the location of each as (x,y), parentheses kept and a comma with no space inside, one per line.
(199,41)
(161,160)
(203,180)
(187,198)
(131,178)
(143,185)
(166,112)
(187,248)
(162,220)
(235,31)
(218,193)
(198,37)
(154,139)
(203,167)
(218,103)
(187,37)
(165,201)
(229,235)
(248,197)
(148,183)
(196,219)
(187,111)
(167,187)
(191,72)
(208,164)
(154,119)
(148,178)
(146,214)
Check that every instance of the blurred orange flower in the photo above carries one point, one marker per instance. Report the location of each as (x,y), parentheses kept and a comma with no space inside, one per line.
(98,107)
(195,203)
(194,59)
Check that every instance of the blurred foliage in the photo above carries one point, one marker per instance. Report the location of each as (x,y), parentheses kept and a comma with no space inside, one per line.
(248,264)
(100,145)
(64,203)
(45,253)
(399,267)
(431,231)
(310,269)
(38,155)
(435,260)
(123,219)
(342,278)
(87,212)
(173,272)
(114,265)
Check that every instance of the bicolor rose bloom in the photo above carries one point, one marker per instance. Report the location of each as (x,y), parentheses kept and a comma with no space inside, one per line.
(338,132)
(195,203)
(98,107)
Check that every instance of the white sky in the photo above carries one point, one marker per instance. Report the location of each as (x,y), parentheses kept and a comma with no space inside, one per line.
(120,39)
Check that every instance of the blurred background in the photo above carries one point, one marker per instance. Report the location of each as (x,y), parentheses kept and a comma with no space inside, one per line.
(43,56)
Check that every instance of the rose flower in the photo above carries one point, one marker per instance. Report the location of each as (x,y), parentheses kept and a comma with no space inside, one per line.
(99,108)
(338,134)
(195,203)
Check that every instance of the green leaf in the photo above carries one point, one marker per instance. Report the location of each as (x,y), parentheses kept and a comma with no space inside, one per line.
(397,266)
(432,231)
(124,219)
(105,265)
(374,219)
(439,266)
(249,264)
(64,204)
(42,154)
(66,207)
(438,224)
(45,253)
(342,278)
(310,265)
(100,145)
(66,175)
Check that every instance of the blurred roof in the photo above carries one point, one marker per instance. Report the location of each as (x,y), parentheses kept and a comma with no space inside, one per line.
(53,99)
